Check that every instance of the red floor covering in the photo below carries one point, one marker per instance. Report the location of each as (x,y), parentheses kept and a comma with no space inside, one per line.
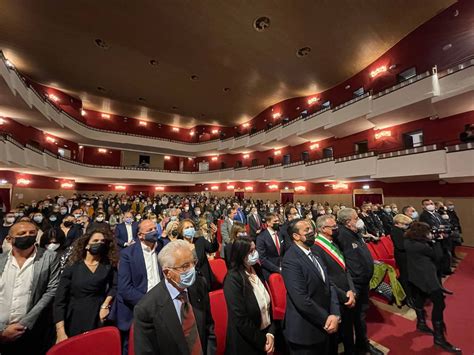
(398,334)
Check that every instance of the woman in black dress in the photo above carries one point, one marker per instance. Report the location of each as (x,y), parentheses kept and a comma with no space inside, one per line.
(401,223)
(87,285)
(250,329)
(187,231)
(422,258)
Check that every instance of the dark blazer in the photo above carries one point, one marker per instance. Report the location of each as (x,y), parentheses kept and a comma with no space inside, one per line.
(387,221)
(132,284)
(268,253)
(243,316)
(359,261)
(74,233)
(254,225)
(433,219)
(201,247)
(422,259)
(340,278)
(309,299)
(157,329)
(121,234)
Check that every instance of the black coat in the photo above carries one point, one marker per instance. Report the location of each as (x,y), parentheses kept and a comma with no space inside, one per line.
(254,225)
(309,299)
(243,316)
(157,329)
(203,246)
(359,261)
(433,219)
(387,221)
(422,258)
(268,253)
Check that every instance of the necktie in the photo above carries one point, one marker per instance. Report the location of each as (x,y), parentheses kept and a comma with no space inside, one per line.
(315,262)
(188,323)
(277,242)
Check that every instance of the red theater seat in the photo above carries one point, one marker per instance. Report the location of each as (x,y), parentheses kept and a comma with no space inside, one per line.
(100,341)
(219,269)
(219,314)
(388,245)
(278,296)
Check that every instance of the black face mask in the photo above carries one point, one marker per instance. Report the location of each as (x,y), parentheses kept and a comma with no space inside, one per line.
(335,233)
(24,243)
(68,224)
(310,239)
(276,226)
(174,233)
(97,248)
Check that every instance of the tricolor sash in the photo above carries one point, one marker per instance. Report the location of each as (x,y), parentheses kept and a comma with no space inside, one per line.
(331,249)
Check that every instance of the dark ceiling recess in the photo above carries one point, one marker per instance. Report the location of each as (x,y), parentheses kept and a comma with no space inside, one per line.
(101,89)
(226,89)
(261,23)
(101,44)
(141,99)
(153,62)
(174,107)
(194,77)
(303,52)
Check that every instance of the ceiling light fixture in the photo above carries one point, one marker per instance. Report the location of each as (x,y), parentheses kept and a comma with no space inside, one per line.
(194,77)
(101,89)
(261,23)
(105,115)
(101,44)
(141,99)
(153,62)
(226,89)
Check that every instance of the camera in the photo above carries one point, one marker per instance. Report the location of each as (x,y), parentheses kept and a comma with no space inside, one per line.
(441,232)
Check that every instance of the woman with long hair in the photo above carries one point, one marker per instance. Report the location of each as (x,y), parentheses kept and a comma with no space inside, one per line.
(238,230)
(87,285)
(422,258)
(250,329)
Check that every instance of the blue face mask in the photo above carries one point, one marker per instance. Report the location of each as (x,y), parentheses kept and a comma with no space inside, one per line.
(414,215)
(151,236)
(252,258)
(128,220)
(189,233)
(186,279)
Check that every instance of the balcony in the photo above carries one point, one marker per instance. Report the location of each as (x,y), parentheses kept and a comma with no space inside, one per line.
(459,163)
(357,165)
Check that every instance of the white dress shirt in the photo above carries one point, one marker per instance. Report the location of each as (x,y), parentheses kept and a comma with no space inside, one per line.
(272,235)
(15,289)
(174,293)
(263,299)
(314,260)
(129,232)
(151,264)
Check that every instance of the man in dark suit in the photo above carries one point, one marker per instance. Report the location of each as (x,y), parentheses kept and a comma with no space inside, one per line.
(239,215)
(138,273)
(126,232)
(270,246)
(291,213)
(312,308)
(335,263)
(360,264)
(174,317)
(255,223)
(387,219)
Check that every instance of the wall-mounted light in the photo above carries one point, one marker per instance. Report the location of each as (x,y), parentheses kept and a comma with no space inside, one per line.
(214,158)
(53,97)
(105,115)
(273,187)
(313,100)
(230,187)
(246,156)
(102,150)
(245,125)
(248,188)
(175,129)
(167,157)
(50,139)
(340,186)
(207,189)
(192,133)
(3,182)
(276,115)
(160,188)
(83,113)
(23,182)
(277,152)
(80,147)
(120,187)
(2,121)
(67,185)
(378,71)
(9,64)
(366,187)
(314,146)
(142,123)
(215,131)
(300,188)
(382,134)
(214,188)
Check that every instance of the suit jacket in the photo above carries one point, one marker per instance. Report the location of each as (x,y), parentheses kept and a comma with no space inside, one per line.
(283,232)
(340,278)
(240,217)
(121,234)
(202,246)
(433,219)
(157,328)
(226,227)
(132,284)
(254,225)
(309,299)
(269,257)
(74,233)
(43,287)
(387,220)
(244,318)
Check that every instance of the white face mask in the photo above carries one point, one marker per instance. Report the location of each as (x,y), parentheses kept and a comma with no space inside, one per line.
(360,224)
(52,246)
(445,216)
(430,208)
(10,220)
(388,210)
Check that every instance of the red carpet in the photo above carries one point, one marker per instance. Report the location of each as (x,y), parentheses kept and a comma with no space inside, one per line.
(398,335)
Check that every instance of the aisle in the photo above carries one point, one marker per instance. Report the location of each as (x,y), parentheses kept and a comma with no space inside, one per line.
(394,328)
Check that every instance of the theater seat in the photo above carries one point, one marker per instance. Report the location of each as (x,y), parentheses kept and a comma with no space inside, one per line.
(219,270)
(388,245)
(219,315)
(100,341)
(278,296)
(219,237)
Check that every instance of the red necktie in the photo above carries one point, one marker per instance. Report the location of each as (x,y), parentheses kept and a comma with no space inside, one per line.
(188,323)
(277,243)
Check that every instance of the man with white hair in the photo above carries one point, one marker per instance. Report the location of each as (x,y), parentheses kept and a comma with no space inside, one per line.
(174,317)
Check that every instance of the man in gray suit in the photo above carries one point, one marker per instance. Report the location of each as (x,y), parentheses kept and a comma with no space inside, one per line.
(226,227)
(29,276)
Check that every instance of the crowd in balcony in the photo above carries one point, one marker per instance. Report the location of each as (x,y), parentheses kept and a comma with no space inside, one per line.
(69,265)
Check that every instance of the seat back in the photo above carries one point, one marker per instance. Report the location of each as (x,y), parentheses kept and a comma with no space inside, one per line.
(219,269)
(372,250)
(381,251)
(100,341)
(219,315)
(388,245)
(278,296)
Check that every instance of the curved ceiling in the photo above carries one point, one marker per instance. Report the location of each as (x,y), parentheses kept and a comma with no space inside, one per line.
(53,42)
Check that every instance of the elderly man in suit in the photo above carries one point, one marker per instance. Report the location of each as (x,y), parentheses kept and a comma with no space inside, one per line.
(30,276)
(312,309)
(174,317)
(255,223)
(226,228)
(138,273)
(270,246)
(126,232)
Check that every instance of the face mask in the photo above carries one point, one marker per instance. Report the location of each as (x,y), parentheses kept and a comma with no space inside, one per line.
(151,236)
(271,209)
(450,207)
(198,213)
(310,239)
(329,211)
(360,224)
(189,233)
(174,233)
(68,224)
(187,278)
(10,220)
(33,205)
(97,248)
(342,207)
(445,216)
(335,233)
(414,215)
(53,218)
(38,219)
(309,216)
(173,218)
(388,210)
(63,212)
(321,212)
(394,210)
(252,258)
(276,226)
(99,219)
(186,209)
(46,205)
(128,220)
(430,208)
(24,243)
(52,246)
(138,217)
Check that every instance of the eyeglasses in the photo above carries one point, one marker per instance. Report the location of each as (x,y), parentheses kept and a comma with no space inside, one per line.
(332,228)
(185,266)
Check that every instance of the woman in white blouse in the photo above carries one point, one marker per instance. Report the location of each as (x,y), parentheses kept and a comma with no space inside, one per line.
(250,329)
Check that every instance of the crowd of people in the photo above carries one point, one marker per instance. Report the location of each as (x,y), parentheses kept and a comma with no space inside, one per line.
(72,264)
